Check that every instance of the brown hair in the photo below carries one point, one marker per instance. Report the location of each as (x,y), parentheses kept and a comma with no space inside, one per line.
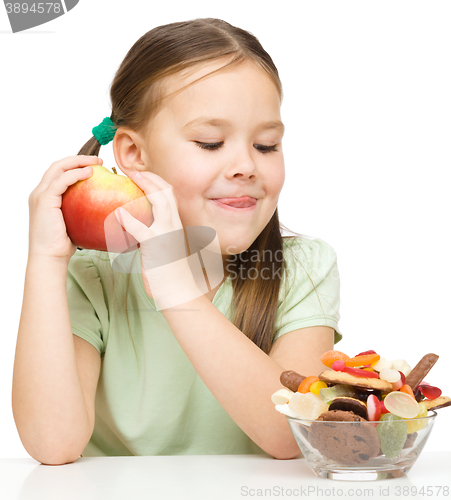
(136,94)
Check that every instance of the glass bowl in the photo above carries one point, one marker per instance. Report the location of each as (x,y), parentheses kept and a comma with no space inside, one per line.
(361,451)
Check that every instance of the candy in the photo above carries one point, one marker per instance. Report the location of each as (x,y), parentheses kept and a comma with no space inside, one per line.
(338,365)
(430,391)
(417,425)
(291,380)
(350,405)
(317,386)
(374,408)
(329,357)
(308,406)
(360,373)
(408,390)
(421,369)
(381,364)
(383,409)
(282,396)
(390,375)
(401,404)
(304,386)
(365,352)
(402,366)
(336,391)
(392,431)
(367,359)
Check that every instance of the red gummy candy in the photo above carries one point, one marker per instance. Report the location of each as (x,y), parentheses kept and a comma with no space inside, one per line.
(374,408)
(360,373)
(365,353)
(430,391)
(403,378)
(338,365)
(383,409)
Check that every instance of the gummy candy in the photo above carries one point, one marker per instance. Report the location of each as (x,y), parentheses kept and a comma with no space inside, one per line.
(417,425)
(304,386)
(402,366)
(401,404)
(338,365)
(408,390)
(360,373)
(382,364)
(390,375)
(336,391)
(367,359)
(317,386)
(374,408)
(392,432)
(429,391)
(365,352)
(308,406)
(330,356)
(383,409)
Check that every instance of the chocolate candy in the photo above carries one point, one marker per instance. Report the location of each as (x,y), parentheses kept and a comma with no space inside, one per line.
(421,370)
(350,404)
(291,380)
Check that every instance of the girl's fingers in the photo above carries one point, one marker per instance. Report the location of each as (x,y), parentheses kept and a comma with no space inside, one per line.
(68,163)
(60,184)
(161,196)
(149,179)
(137,229)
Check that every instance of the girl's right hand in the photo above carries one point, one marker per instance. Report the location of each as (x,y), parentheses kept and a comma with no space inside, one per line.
(47,232)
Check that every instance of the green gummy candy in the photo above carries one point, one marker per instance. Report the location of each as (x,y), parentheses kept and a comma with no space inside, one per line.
(392,434)
(329,393)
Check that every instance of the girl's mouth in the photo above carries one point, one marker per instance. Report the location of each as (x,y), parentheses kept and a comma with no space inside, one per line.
(243,204)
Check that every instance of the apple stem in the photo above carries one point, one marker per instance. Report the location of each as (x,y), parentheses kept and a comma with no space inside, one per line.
(114,170)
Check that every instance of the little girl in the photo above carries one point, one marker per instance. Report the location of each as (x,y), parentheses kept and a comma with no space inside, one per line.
(104,367)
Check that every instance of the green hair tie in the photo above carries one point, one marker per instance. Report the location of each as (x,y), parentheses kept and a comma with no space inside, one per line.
(104,132)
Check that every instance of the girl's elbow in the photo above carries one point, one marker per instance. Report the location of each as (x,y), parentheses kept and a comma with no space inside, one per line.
(287,451)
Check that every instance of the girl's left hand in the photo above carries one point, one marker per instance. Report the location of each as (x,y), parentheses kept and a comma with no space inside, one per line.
(167,275)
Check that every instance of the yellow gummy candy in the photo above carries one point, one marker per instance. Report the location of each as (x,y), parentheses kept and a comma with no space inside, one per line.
(316,386)
(417,425)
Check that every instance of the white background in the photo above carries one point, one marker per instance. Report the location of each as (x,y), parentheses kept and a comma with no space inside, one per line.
(367,106)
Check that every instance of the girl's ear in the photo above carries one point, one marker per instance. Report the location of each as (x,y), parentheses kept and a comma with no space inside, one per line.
(128,151)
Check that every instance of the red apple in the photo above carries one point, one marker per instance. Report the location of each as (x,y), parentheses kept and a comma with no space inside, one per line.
(88,210)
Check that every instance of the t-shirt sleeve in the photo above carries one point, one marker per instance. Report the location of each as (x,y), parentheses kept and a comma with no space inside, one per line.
(310,295)
(85,295)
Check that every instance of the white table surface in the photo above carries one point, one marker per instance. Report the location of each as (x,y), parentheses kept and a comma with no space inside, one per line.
(207,477)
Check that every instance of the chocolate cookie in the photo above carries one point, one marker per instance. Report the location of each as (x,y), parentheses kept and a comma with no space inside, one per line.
(350,404)
(435,404)
(334,377)
(346,443)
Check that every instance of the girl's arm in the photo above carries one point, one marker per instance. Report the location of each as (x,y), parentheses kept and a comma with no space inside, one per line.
(237,372)
(48,402)
(240,375)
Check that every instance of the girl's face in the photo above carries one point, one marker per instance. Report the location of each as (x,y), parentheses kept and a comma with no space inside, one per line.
(221,138)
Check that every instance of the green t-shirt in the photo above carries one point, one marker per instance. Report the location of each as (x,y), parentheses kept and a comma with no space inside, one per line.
(162,407)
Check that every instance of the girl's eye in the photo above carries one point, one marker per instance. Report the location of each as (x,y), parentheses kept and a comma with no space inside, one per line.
(213,146)
(265,149)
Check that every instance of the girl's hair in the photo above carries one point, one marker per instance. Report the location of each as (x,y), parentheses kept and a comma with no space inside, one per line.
(137,93)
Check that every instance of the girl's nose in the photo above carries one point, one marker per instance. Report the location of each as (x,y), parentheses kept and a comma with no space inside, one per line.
(243,164)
